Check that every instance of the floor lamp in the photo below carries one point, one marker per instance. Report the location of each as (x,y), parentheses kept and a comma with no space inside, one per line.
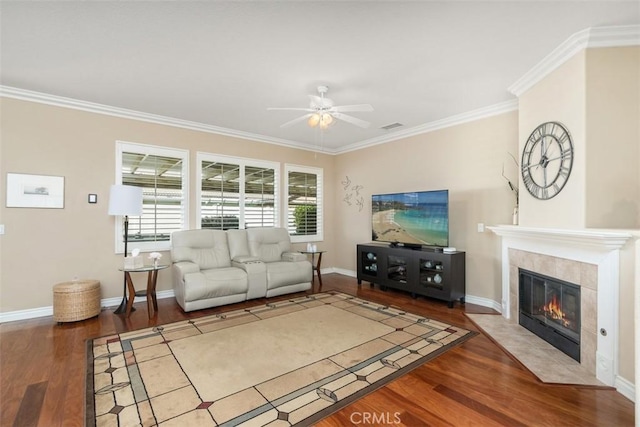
(125,200)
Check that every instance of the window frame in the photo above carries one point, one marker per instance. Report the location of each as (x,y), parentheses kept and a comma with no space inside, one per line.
(155,150)
(243,162)
(319,172)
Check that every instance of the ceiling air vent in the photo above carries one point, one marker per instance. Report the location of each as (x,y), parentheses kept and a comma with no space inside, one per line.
(392,126)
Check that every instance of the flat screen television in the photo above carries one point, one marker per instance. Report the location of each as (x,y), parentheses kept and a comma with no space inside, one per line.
(413,218)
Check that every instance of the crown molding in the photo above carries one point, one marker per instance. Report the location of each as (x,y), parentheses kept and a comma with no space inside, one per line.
(628,35)
(591,37)
(458,119)
(91,107)
(59,101)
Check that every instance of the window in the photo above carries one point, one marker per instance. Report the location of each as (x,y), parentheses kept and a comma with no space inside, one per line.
(236,193)
(304,203)
(163,175)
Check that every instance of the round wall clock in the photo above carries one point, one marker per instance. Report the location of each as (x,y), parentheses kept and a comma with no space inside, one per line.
(547,159)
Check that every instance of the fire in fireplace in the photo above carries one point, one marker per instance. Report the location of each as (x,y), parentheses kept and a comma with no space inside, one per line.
(550,308)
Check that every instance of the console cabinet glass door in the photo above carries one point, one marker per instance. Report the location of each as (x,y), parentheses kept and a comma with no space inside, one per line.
(397,268)
(369,263)
(431,273)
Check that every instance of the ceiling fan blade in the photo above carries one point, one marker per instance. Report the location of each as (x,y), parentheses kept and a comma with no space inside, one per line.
(350,108)
(351,119)
(289,109)
(294,121)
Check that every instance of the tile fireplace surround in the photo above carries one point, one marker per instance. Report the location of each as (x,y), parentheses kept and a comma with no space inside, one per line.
(588,258)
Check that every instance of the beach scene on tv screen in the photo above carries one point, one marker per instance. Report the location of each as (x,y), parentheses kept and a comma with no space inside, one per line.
(418,218)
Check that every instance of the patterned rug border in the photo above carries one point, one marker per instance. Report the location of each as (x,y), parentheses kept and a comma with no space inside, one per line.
(90,403)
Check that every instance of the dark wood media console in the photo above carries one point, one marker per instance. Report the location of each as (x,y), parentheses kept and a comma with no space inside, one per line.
(423,271)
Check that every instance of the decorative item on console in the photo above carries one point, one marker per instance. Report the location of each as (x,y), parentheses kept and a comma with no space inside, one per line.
(155,257)
(134,261)
(514,190)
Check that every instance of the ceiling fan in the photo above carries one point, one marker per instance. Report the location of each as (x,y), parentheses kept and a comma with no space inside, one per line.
(322,112)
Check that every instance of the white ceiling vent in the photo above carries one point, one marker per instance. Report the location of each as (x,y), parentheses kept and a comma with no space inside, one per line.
(392,126)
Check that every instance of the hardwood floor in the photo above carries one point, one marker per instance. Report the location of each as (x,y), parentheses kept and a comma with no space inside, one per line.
(42,374)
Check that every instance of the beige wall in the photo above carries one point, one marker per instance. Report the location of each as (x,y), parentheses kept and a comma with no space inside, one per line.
(629,258)
(596,95)
(467,160)
(613,164)
(613,132)
(42,247)
(559,97)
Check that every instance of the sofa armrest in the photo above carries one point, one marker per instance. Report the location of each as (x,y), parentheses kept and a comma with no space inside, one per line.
(293,256)
(256,275)
(180,270)
(185,267)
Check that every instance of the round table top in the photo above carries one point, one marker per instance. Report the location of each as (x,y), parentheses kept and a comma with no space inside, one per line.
(145,268)
(312,252)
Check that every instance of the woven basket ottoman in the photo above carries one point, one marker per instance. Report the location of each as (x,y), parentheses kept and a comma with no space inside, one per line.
(77,300)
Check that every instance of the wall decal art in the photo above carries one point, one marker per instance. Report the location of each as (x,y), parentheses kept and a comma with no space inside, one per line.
(350,191)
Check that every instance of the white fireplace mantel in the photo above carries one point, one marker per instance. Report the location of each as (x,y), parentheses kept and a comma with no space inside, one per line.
(592,246)
(595,239)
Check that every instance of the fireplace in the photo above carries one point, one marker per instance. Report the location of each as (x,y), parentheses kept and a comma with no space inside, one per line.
(590,258)
(550,308)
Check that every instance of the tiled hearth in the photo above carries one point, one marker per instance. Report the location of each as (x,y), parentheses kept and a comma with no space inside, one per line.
(589,259)
(545,361)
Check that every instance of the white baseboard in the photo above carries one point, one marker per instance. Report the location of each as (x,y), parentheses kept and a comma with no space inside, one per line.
(342,271)
(625,388)
(484,302)
(13,316)
(34,313)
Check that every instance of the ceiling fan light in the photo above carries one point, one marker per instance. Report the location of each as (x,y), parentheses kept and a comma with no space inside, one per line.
(326,120)
(314,119)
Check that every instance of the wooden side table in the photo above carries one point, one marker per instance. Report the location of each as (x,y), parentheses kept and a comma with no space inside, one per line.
(314,265)
(150,292)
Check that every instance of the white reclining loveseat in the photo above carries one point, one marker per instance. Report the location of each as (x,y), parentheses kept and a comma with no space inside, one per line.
(214,267)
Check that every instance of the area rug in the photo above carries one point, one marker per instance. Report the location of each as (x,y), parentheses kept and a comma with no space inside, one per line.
(291,362)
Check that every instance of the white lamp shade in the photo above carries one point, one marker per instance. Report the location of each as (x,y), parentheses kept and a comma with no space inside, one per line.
(314,119)
(125,200)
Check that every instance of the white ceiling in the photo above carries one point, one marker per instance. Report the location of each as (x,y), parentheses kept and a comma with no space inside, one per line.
(221,64)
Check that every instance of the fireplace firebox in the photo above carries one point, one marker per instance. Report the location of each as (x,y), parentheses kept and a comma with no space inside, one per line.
(550,308)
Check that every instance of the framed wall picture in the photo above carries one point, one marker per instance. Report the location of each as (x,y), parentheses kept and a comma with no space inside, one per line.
(35,191)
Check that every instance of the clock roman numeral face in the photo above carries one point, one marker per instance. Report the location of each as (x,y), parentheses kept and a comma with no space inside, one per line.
(547,159)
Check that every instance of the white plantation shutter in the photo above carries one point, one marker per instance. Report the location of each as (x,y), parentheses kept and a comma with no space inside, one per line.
(304,203)
(236,193)
(260,197)
(162,173)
